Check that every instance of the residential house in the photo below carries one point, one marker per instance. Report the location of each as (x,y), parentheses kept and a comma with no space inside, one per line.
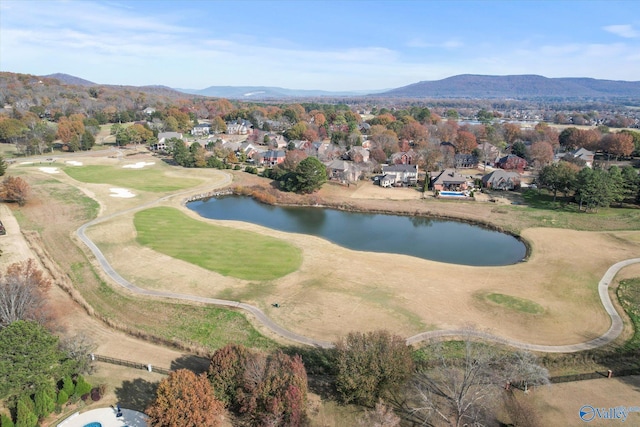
(239,127)
(343,171)
(404,157)
(489,152)
(358,154)
(501,180)
(248,149)
(149,110)
(512,162)
(163,140)
(272,157)
(399,175)
(465,161)
(201,129)
(585,155)
(276,141)
(448,180)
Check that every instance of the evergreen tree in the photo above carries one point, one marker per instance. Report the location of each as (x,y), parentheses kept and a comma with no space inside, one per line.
(3,166)
(6,421)
(44,401)
(25,415)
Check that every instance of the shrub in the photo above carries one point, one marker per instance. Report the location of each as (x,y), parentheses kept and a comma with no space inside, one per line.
(82,386)
(371,365)
(6,421)
(63,398)
(68,386)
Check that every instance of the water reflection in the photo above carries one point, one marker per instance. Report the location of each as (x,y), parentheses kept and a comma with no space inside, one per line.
(423,237)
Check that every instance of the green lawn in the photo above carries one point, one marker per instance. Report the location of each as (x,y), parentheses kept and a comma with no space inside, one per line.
(514,303)
(146,179)
(227,251)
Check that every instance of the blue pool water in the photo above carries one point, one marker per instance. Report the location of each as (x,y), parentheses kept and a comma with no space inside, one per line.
(93,425)
(452,194)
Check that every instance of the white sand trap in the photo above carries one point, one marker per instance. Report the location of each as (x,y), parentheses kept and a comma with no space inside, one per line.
(73,163)
(26,163)
(121,192)
(50,170)
(139,165)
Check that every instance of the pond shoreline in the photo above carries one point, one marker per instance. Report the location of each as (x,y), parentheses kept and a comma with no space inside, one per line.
(317,202)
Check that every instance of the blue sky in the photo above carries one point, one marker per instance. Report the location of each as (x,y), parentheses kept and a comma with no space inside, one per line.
(329,45)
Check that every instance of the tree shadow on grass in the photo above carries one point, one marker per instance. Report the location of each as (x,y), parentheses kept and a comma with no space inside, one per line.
(136,394)
(193,363)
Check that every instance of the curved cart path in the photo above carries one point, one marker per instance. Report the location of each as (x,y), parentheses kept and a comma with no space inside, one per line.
(614,331)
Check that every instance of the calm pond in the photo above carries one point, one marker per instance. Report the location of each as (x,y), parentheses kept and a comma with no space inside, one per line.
(438,240)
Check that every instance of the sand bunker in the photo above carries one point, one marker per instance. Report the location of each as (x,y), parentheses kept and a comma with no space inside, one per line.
(26,163)
(73,163)
(50,170)
(138,165)
(121,192)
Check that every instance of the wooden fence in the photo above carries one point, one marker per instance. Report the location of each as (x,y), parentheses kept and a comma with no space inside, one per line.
(146,367)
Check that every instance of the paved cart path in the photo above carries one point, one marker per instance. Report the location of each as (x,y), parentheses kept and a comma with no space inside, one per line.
(614,331)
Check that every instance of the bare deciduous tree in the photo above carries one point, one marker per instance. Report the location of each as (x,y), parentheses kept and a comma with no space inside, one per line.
(461,390)
(22,290)
(79,348)
(381,416)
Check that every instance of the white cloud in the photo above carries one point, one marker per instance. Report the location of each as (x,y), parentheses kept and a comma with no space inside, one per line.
(624,30)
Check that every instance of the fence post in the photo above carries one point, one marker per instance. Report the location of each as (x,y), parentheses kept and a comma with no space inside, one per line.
(149,368)
(609,373)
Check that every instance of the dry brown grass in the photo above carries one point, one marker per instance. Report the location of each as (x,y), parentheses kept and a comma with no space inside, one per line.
(337,290)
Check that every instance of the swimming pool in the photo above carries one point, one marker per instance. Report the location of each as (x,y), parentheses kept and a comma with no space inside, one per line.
(94,424)
(452,194)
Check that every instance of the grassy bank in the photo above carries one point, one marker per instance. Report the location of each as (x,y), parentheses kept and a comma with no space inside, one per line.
(151,179)
(227,251)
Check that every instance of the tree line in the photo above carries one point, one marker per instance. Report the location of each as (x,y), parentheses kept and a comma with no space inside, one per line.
(50,376)
(591,188)
(460,383)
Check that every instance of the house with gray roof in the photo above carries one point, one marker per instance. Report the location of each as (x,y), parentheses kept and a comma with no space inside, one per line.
(448,180)
(501,179)
(399,175)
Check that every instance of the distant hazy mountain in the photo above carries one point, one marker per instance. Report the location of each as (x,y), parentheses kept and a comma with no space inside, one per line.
(70,80)
(267,92)
(461,86)
(518,86)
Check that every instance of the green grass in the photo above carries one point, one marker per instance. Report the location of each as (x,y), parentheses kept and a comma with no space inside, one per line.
(514,303)
(227,251)
(205,326)
(150,179)
(628,293)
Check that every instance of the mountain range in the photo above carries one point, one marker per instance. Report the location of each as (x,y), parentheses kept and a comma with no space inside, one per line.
(461,86)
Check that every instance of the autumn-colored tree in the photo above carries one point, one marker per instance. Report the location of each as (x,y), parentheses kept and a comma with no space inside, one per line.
(14,189)
(22,293)
(218,125)
(541,153)
(292,159)
(226,372)
(465,142)
(274,390)
(618,144)
(448,130)
(383,119)
(184,399)
(414,131)
(369,365)
(270,389)
(511,132)
(386,141)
